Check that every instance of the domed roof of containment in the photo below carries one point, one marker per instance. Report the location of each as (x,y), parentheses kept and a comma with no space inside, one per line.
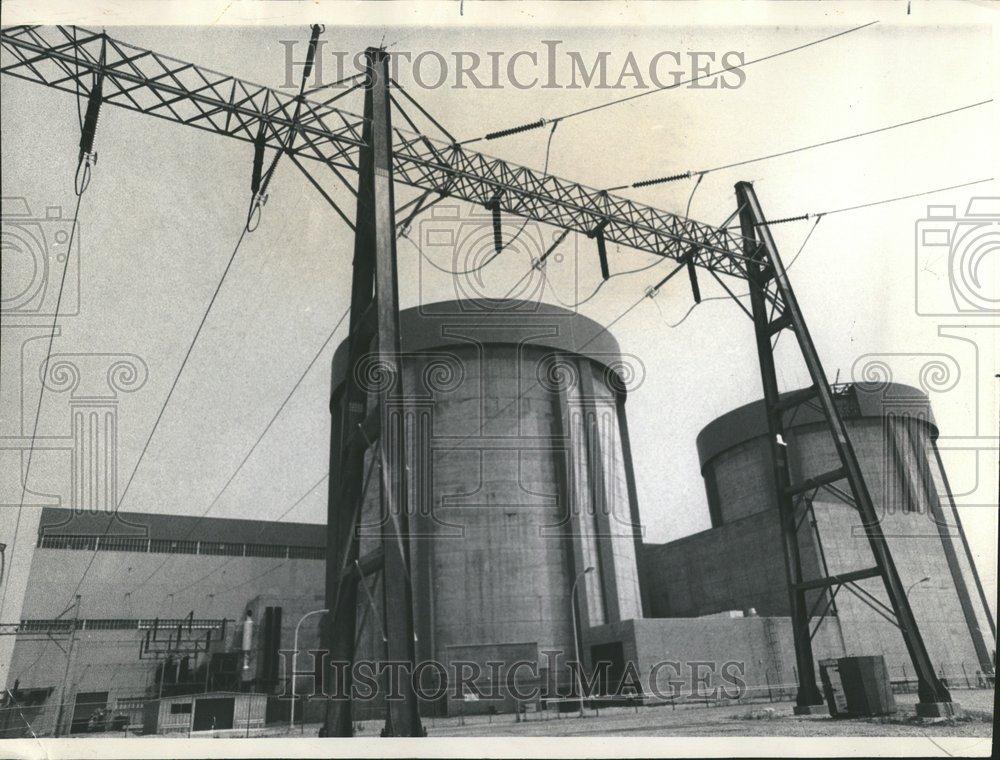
(458,324)
(854,400)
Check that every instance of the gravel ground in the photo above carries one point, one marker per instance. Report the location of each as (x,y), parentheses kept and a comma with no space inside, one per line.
(731,720)
(758,719)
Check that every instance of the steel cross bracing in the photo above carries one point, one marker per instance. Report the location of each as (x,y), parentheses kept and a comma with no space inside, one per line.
(366,418)
(68,59)
(769,279)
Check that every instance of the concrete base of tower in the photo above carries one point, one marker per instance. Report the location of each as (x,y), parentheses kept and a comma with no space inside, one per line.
(939,710)
(819,709)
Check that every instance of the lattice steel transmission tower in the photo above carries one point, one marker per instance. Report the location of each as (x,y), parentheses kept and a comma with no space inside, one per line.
(105,70)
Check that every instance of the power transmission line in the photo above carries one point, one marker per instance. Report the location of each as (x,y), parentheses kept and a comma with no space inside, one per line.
(818,217)
(742,295)
(542,122)
(166,401)
(256,443)
(45,371)
(702,172)
(804,217)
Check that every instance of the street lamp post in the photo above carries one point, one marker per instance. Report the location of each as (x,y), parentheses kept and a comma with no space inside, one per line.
(576,634)
(295,655)
(69,664)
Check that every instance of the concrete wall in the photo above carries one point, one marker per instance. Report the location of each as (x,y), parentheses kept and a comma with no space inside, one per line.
(737,566)
(18,559)
(489,692)
(745,654)
(212,586)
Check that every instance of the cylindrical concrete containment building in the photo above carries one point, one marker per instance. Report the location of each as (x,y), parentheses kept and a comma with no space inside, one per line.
(894,435)
(520,478)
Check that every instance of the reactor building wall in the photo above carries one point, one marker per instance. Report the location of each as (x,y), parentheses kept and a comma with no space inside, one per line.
(520,479)
(738,564)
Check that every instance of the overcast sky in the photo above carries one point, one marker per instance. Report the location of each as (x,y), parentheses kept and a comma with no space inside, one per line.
(166,206)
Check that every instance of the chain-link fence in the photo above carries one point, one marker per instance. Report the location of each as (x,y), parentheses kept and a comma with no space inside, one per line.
(38,713)
(955,675)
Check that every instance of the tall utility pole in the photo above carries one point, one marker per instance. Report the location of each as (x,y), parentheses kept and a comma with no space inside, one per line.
(775,309)
(69,663)
(357,423)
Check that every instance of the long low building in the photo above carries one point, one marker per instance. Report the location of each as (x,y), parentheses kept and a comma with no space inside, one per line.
(146,573)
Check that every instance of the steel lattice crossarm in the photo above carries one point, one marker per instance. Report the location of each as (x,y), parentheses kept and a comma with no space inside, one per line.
(66,58)
(71,59)
(525,192)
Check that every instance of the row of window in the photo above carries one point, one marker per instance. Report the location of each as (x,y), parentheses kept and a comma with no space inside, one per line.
(56,625)
(170,546)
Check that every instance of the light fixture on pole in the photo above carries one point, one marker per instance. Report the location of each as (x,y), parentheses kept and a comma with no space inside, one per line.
(295,655)
(576,634)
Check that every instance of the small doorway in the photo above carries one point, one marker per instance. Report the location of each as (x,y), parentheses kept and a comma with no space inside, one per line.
(89,705)
(213,713)
(609,676)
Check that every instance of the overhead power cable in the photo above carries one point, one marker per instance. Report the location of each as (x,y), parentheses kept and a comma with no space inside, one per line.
(86,157)
(702,172)
(804,217)
(253,448)
(542,122)
(259,197)
(627,272)
(41,394)
(584,301)
(163,407)
(736,297)
(500,248)
(818,217)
